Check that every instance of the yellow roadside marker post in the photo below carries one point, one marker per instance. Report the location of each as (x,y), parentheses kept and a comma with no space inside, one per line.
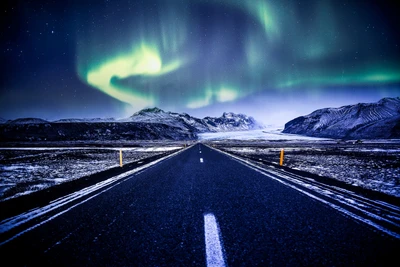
(281,159)
(120,157)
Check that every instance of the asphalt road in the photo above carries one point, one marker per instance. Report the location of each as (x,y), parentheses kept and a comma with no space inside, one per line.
(198,208)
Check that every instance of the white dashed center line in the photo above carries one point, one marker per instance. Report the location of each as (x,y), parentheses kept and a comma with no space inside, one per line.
(215,256)
(201,160)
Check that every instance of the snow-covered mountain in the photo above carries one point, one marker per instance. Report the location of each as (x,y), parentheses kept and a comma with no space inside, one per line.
(147,124)
(363,120)
(229,121)
(156,115)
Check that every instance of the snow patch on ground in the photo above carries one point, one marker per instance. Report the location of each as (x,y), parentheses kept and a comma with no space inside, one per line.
(271,133)
(375,167)
(25,170)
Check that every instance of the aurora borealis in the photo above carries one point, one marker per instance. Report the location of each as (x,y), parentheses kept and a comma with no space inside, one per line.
(112,58)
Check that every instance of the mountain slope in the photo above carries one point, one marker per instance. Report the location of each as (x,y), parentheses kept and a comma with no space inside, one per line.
(85,120)
(229,121)
(363,120)
(156,115)
(147,124)
(95,131)
(27,121)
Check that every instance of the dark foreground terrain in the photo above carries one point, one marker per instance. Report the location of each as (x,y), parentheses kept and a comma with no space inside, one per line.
(201,207)
(373,165)
(35,166)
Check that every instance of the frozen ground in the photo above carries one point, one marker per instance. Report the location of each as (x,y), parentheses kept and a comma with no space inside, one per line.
(25,170)
(270,133)
(371,165)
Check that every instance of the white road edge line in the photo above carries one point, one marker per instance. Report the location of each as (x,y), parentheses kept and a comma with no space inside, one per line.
(201,160)
(215,256)
(336,207)
(12,222)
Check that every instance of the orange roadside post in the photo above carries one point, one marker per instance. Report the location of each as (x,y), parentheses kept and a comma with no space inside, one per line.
(120,157)
(281,159)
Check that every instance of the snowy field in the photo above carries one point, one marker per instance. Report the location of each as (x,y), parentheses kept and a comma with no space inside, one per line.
(25,170)
(269,134)
(373,166)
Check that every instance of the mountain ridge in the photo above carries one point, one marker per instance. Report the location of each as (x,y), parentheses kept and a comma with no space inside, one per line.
(146,124)
(229,121)
(359,121)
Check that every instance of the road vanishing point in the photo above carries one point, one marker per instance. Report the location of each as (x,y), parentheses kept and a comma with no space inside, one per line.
(197,207)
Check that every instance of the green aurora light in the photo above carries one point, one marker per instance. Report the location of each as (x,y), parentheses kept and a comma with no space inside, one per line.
(177,54)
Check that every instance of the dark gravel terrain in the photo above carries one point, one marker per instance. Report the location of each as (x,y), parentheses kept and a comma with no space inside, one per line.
(369,165)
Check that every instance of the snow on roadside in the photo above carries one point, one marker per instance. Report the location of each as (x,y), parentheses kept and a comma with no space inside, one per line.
(26,170)
(139,149)
(376,168)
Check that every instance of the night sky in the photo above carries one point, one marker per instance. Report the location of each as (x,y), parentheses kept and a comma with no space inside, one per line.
(274,60)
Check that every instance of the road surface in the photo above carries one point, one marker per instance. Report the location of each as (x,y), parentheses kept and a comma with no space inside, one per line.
(197,208)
